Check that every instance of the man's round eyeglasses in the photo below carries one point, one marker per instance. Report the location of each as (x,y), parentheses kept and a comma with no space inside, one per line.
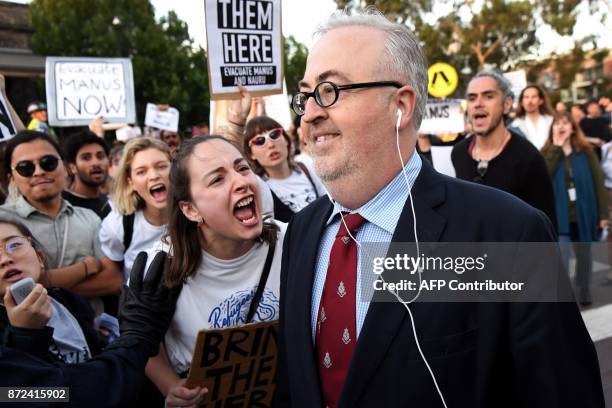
(326,93)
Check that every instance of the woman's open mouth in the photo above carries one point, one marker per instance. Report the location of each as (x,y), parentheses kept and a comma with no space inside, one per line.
(245,211)
(13,275)
(159,192)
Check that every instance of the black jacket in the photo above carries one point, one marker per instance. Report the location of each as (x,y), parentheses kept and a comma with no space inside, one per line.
(111,379)
(37,341)
(483,354)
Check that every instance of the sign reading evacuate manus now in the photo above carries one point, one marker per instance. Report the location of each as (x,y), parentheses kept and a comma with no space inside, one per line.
(81,89)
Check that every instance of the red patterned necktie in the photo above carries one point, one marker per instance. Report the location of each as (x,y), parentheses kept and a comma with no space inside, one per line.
(336,323)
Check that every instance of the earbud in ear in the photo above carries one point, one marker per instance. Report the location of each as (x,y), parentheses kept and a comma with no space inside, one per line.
(399,118)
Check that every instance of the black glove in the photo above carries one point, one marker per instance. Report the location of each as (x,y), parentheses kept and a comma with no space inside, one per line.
(147,307)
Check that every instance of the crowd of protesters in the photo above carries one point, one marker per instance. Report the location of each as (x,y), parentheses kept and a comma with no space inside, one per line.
(78,211)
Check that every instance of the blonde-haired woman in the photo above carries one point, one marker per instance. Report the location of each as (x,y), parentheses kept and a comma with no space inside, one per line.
(139,203)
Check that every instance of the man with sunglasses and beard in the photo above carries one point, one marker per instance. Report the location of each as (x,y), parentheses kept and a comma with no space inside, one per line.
(87,158)
(33,165)
(496,156)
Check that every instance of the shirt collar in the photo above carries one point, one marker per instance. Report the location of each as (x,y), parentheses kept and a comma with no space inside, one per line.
(385,208)
(25,209)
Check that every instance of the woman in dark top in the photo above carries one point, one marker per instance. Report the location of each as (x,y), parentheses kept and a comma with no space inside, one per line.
(56,325)
(580,197)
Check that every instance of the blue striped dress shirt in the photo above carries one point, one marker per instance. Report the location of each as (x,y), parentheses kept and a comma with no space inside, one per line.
(382,214)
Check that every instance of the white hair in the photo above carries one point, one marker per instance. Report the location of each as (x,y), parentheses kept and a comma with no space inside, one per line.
(404,58)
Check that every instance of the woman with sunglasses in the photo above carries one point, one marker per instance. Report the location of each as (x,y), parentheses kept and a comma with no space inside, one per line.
(222,250)
(55,325)
(139,198)
(294,185)
(580,197)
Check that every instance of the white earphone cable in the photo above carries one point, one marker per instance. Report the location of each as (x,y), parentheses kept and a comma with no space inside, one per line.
(420,270)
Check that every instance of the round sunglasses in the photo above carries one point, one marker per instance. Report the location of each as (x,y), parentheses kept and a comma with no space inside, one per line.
(261,139)
(26,168)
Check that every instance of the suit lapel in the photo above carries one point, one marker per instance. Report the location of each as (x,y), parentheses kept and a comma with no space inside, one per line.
(303,263)
(384,319)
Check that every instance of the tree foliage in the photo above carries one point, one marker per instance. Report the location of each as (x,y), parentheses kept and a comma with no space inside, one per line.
(496,33)
(167,68)
(296,54)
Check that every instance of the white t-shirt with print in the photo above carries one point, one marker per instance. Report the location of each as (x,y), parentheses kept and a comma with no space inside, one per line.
(296,191)
(219,295)
(144,237)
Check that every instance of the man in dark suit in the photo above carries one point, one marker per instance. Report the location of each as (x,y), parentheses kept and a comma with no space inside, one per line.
(362,100)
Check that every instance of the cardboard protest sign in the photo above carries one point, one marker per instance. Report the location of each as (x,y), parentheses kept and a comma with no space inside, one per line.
(7,127)
(81,89)
(167,119)
(442,116)
(237,365)
(244,47)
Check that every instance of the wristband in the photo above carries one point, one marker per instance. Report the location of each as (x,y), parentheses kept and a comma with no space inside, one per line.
(86,271)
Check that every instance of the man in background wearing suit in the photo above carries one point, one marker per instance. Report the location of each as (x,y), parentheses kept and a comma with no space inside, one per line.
(362,99)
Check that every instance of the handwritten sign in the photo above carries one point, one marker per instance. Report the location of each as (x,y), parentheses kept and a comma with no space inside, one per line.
(7,127)
(167,119)
(244,47)
(81,89)
(237,365)
(442,116)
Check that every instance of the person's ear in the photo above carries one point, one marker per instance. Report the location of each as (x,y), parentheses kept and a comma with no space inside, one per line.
(405,101)
(190,211)
(72,168)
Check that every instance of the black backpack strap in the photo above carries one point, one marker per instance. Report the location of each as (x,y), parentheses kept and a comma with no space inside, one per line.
(128,230)
(303,167)
(262,283)
(282,212)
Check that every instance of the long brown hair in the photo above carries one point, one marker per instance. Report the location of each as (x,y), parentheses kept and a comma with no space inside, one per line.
(183,234)
(577,139)
(544,108)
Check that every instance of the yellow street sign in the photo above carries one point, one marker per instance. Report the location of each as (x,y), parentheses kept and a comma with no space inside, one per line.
(443,79)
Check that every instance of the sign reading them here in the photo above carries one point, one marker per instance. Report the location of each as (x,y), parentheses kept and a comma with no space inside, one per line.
(244,47)
(81,89)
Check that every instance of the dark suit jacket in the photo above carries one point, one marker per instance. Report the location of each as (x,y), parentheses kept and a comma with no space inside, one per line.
(483,354)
